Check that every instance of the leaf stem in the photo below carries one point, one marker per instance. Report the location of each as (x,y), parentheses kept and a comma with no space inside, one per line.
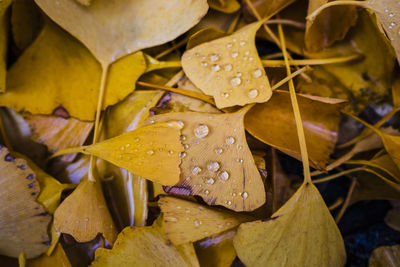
(288,78)
(337,175)
(296,62)
(362,122)
(347,200)
(312,16)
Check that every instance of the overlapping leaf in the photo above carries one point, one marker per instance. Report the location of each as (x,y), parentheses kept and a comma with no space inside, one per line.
(3,43)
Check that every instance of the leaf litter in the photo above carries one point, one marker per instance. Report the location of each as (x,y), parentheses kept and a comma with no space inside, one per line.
(168,135)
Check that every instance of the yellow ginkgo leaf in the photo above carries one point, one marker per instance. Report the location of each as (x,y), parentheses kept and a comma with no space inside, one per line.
(301,233)
(144,247)
(385,256)
(84,2)
(186,221)
(226,6)
(151,152)
(57,71)
(217,163)
(229,69)
(3,43)
(57,258)
(103,29)
(84,214)
(23,221)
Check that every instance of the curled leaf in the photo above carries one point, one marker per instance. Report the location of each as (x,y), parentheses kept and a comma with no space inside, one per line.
(186,221)
(302,232)
(226,6)
(3,43)
(385,256)
(23,221)
(229,69)
(217,163)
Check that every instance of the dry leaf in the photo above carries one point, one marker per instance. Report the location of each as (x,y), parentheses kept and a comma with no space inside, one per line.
(142,246)
(385,256)
(204,35)
(229,69)
(3,43)
(103,29)
(84,2)
(84,214)
(301,233)
(23,221)
(57,258)
(266,8)
(186,221)
(273,123)
(57,60)
(217,163)
(226,6)
(392,219)
(151,152)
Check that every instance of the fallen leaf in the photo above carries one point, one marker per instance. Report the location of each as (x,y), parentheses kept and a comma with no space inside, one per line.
(266,8)
(58,133)
(103,29)
(84,214)
(23,220)
(392,219)
(151,152)
(57,258)
(302,232)
(229,69)
(142,246)
(3,43)
(186,221)
(57,60)
(226,6)
(84,2)
(385,256)
(273,123)
(204,35)
(217,163)
(330,26)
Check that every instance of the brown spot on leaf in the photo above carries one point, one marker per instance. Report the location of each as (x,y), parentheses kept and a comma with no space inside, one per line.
(60,111)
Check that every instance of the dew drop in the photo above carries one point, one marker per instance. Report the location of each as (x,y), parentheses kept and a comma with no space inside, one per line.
(247,53)
(206,233)
(213,166)
(201,131)
(180,123)
(219,150)
(245,195)
(187,210)
(214,57)
(242,43)
(253,93)
(215,67)
(170,152)
(257,73)
(196,170)
(236,81)
(391,15)
(204,64)
(240,160)
(228,67)
(182,138)
(226,95)
(137,139)
(235,54)
(234,194)
(206,192)
(196,54)
(186,146)
(239,147)
(182,155)
(229,202)
(197,223)
(230,140)
(122,148)
(224,176)
(209,180)
(150,152)
(229,45)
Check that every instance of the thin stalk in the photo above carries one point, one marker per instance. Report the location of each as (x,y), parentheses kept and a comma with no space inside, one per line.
(347,200)
(312,16)
(289,22)
(374,165)
(337,175)
(336,204)
(3,132)
(172,48)
(234,24)
(288,78)
(274,55)
(296,110)
(297,62)
(362,122)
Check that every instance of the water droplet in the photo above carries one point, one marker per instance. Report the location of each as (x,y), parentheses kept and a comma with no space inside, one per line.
(386,10)
(213,166)
(391,15)
(206,233)
(197,223)
(226,95)
(247,53)
(206,192)
(239,147)
(236,81)
(127,145)
(185,146)
(180,123)
(251,59)
(182,155)
(234,40)
(170,152)
(229,45)
(214,57)
(182,138)
(242,43)
(187,178)
(122,148)
(215,67)
(257,73)
(253,93)
(201,131)
(196,54)
(230,140)
(187,210)
(219,150)
(235,54)
(234,194)
(196,170)
(150,152)
(245,58)
(229,202)
(223,176)
(197,142)
(137,139)
(228,67)
(209,180)
(240,160)
(245,195)
(204,64)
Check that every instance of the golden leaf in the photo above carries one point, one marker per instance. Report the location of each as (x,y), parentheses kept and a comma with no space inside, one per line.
(186,221)
(217,163)
(229,69)
(143,246)
(3,43)
(273,123)
(56,70)
(301,233)
(103,29)
(23,221)
(84,2)
(225,6)
(392,219)
(385,256)
(151,152)
(84,214)
(57,258)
